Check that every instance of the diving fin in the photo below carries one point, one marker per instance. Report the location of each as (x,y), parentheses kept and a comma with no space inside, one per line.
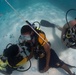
(47,24)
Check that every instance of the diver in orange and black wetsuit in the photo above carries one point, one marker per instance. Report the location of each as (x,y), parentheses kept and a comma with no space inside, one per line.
(41,49)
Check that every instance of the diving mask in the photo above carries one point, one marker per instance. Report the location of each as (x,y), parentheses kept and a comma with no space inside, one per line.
(26,37)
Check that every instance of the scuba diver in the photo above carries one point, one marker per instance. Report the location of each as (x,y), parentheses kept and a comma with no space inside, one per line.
(12,59)
(41,49)
(69,34)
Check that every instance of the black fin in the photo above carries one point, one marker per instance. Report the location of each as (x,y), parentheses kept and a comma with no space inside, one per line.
(46,24)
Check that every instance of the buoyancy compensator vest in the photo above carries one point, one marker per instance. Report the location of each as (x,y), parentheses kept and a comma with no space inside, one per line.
(70,35)
(38,50)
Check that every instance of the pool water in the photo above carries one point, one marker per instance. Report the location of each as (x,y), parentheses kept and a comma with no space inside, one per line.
(54,11)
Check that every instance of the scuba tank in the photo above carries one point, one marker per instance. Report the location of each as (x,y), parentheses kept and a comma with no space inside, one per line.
(4,62)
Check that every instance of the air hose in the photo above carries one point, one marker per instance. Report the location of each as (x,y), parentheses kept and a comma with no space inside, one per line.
(29,62)
(67,14)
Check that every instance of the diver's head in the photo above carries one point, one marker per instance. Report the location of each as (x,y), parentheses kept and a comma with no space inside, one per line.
(26,29)
(26,33)
(11,51)
(72,23)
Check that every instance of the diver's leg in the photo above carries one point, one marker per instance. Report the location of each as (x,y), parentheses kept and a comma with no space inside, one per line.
(56,62)
(65,67)
(60,28)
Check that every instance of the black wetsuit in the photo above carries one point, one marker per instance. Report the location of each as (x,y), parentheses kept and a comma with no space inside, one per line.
(54,61)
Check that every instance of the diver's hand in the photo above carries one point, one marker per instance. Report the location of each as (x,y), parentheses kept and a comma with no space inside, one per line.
(45,69)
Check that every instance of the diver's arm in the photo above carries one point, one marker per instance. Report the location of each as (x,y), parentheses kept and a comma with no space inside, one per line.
(47,50)
(58,27)
(31,55)
(63,35)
